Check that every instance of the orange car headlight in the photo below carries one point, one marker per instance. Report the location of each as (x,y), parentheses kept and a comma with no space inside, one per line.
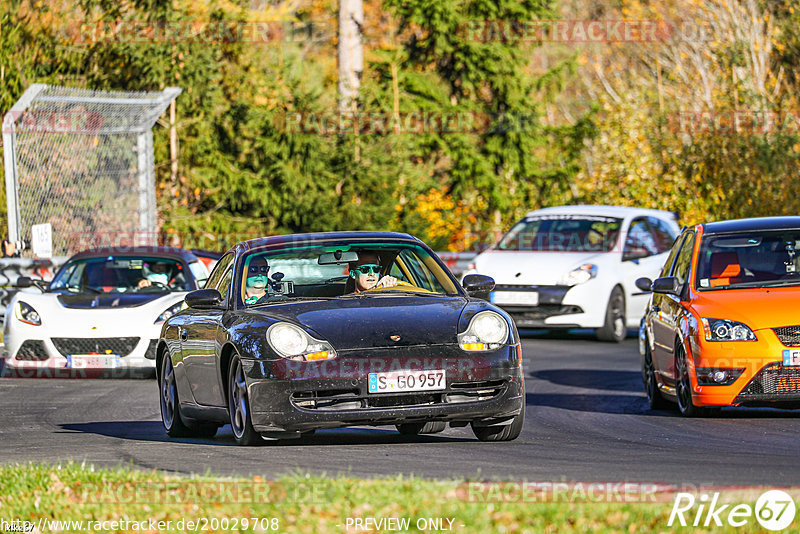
(726,330)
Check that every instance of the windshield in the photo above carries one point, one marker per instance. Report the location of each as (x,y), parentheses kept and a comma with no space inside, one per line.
(562,233)
(751,259)
(122,274)
(342,271)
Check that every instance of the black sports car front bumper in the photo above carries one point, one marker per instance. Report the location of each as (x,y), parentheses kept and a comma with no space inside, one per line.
(484,388)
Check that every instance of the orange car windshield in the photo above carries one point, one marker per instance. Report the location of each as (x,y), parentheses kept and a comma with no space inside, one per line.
(749,259)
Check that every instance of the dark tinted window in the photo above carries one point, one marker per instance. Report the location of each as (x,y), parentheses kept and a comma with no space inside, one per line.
(671,258)
(563,233)
(219,270)
(684,260)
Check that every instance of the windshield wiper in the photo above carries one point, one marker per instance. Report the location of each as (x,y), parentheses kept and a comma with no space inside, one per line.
(380,293)
(756,285)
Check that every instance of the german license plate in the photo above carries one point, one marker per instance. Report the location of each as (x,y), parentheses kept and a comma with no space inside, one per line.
(791,357)
(93,361)
(523,298)
(399,381)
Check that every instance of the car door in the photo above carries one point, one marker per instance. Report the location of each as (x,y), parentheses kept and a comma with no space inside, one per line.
(199,339)
(641,256)
(670,310)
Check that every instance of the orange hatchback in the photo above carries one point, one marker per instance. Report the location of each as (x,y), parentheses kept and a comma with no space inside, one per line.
(722,327)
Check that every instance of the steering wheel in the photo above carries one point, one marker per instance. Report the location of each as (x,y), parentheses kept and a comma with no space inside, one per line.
(401,286)
(156,285)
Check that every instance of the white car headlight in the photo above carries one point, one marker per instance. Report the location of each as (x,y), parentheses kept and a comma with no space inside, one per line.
(169,312)
(579,275)
(487,330)
(293,343)
(25,313)
(725,330)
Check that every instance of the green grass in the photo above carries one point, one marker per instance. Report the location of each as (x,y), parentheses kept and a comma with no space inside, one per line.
(300,502)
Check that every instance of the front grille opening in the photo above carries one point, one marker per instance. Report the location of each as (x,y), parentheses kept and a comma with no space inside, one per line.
(392,401)
(150,353)
(475,391)
(95,345)
(773,382)
(334,399)
(789,335)
(32,350)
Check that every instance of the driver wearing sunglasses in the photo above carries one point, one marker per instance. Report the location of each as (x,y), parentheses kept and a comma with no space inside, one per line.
(257,280)
(367,274)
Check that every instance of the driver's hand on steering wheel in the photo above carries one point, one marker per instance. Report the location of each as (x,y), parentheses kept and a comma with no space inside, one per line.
(387,281)
(144,282)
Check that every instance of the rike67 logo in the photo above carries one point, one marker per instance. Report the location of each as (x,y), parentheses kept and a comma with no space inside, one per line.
(774,510)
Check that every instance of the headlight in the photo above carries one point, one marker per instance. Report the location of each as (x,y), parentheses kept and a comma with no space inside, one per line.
(486,331)
(293,343)
(580,275)
(725,330)
(25,313)
(169,312)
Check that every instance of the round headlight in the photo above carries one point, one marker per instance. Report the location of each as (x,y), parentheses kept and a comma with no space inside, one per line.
(287,339)
(489,327)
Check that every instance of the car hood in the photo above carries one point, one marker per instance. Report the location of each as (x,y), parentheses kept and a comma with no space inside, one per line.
(371,322)
(533,268)
(85,301)
(757,308)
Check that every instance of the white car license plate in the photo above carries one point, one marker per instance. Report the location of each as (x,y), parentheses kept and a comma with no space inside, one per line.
(93,361)
(397,381)
(791,357)
(525,298)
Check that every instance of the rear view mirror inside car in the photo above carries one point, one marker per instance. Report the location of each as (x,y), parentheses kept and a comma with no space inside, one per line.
(337,257)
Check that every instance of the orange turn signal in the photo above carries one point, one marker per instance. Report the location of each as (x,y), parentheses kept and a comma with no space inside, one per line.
(473,346)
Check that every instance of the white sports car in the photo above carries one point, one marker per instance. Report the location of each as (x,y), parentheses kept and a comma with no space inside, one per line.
(576,266)
(103,310)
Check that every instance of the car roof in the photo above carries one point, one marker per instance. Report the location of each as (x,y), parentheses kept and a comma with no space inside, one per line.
(605,211)
(278,240)
(753,224)
(155,252)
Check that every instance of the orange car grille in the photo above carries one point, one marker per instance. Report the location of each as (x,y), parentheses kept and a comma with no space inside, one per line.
(789,335)
(773,382)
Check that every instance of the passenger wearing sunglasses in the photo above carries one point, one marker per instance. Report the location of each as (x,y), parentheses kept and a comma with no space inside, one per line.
(257,280)
(367,274)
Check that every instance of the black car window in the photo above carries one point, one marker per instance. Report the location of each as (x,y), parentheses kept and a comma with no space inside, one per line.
(225,283)
(219,270)
(640,240)
(663,233)
(684,260)
(672,253)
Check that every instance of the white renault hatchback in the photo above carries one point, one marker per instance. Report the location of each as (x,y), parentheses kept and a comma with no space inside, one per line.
(576,266)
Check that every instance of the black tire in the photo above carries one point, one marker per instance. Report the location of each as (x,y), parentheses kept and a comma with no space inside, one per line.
(171,417)
(683,388)
(615,328)
(654,398)
(414,429)
(239,406)
(507,432)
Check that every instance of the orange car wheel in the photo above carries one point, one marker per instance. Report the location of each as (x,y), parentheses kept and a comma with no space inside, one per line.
(683,388)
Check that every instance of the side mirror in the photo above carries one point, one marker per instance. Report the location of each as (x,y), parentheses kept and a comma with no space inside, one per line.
(203,299)
(667,285)
(644,284)
(478,285)
(24,281)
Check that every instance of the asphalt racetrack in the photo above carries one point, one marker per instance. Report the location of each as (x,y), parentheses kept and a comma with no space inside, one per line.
(587,420)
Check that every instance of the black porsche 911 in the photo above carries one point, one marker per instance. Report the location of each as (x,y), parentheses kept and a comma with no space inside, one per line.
(303,332)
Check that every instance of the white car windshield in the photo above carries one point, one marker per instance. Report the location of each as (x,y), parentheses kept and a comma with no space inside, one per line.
(122,274)
(562,233)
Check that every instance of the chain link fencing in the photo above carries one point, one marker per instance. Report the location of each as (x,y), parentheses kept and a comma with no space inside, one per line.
(81,160)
